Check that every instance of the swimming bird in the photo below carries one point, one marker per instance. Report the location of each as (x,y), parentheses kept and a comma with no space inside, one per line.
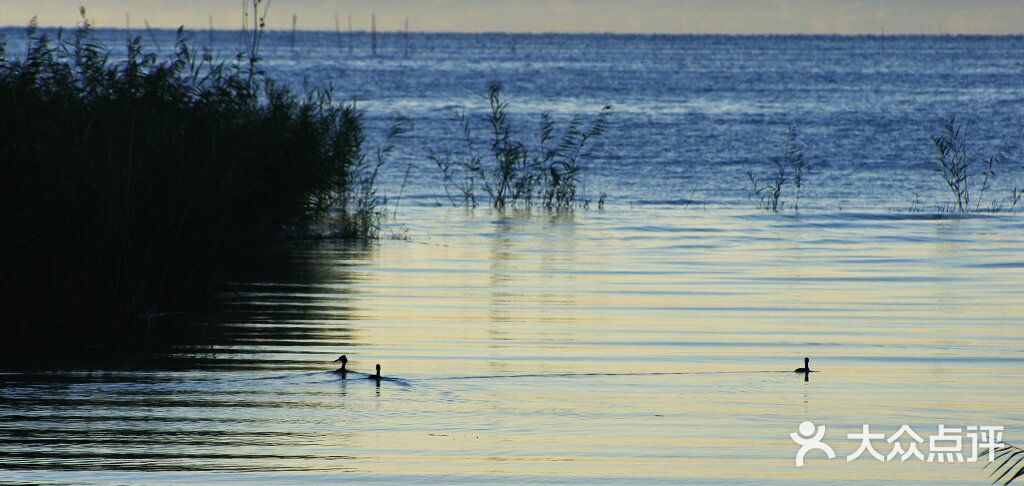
(344,361)
(806,368)
(375,376)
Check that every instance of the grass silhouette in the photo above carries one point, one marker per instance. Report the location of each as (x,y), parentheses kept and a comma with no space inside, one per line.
(125,180)
(513,173)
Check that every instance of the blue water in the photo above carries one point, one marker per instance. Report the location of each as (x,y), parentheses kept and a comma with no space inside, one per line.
(693,114)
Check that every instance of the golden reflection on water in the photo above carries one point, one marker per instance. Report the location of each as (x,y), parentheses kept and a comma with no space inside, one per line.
(575,348)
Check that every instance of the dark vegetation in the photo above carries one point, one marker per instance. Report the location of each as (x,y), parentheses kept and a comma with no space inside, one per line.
(509,172)
(1008,464)
(126,180)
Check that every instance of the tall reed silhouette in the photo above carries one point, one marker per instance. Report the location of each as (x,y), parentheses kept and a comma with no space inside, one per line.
(373,34)
(1008,464)
(788,169)
(968,175)
(509,172)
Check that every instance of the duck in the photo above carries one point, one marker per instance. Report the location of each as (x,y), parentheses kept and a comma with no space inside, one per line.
(344,361)
(375,376)
(806,368)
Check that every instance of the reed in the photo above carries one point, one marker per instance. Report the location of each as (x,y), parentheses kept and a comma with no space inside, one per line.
(786,170)
(350,34)
(124,184)
(1008,465)
(373,34)
(967,175)
(548,174)
(405,40)
(337,31)
(291,39)
(359,209)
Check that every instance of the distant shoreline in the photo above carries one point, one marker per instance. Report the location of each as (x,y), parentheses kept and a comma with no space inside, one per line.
(273,31)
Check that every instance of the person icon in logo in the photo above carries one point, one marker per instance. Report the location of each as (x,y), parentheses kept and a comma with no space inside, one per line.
(808,437)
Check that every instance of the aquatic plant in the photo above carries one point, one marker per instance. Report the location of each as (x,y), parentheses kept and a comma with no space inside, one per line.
(788,168)
(509,172)
(359,210)
(769,193)
(916,205)
(253,27)
(968,175)
(1009,464)
(124,181)
(794,156)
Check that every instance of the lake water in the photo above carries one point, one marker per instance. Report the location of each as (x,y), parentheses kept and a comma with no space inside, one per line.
(647,342)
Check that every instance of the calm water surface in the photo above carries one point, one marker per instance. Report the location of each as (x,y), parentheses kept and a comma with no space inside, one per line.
(648,342)
(646,345)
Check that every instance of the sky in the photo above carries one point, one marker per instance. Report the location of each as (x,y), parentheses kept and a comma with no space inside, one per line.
(620,16)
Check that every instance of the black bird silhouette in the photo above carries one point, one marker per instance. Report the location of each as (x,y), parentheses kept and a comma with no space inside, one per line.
(806,368)
(344,361)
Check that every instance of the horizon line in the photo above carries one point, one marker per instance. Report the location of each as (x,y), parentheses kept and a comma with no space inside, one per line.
(553,32)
